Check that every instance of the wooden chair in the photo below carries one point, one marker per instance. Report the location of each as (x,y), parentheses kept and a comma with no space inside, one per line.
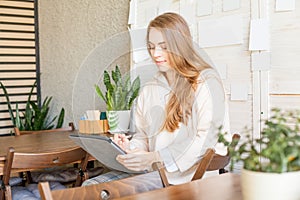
(132,185)
(217,162)
(220,162)
(69,128)
(119,188)
(203,164)
(17,161)
(108,190)
(18,133)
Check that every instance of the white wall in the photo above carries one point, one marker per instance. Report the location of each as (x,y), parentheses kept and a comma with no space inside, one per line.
(277,87)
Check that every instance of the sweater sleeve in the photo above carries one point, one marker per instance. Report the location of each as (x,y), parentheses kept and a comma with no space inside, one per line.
(149,116)
(140,139)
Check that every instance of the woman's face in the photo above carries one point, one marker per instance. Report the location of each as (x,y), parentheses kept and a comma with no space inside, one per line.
(158,50)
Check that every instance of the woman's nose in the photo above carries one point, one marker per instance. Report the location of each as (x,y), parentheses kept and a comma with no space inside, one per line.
(157,52)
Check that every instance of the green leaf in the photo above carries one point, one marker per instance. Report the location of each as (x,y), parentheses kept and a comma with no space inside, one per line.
(114,77)
(48,124)
(100,94)
(118,76)
(30,93)
(18,120)
(41,114)
(28,115)
(60,120)
(120,94)
(10,110)
(135,88)
(109,103)
(107,83)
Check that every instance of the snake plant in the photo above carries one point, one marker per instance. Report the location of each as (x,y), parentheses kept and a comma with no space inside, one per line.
(34,117)
(120,93)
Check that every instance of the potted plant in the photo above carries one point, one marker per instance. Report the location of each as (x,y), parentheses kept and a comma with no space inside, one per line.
(34,117)
(119,97)
(271,164)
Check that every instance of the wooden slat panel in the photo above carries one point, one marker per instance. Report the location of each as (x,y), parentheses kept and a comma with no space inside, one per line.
(240,114)
(17,35)
(6,131)
(17,98)
(17,4)
(17,59)
(17,75)
(17,56)
(285,31)
(16,19)
(16,12)
(4,107)
(5,123)
(16,27)
(17,90)
(16,51)
(285,101)
(285,79)
(17,82)
(16,43)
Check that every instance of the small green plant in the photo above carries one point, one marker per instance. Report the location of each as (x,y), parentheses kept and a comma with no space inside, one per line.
(120,94)
(34,117)
(278,148)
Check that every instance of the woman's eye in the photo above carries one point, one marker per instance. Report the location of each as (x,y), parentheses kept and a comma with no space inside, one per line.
(151,46)
(163,47)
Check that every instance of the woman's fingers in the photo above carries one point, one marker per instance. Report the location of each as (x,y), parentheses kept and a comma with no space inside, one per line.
(126,157)
(137,160)
(121,140)
(135,166)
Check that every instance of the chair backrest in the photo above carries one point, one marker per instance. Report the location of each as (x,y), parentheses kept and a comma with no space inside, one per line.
(203,164)
(108,190)
(212,161)
(219,162)
(25,161)
(201,168)
(69,128)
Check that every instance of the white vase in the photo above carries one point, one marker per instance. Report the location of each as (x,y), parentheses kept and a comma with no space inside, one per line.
(265,186)
(118,121)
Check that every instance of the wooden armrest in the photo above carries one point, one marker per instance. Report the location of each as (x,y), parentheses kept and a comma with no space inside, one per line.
(158,166)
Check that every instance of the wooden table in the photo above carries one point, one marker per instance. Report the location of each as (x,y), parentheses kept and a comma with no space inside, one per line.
(37,143)
(222,187)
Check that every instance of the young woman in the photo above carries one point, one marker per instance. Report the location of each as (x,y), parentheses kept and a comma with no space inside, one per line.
(179,112)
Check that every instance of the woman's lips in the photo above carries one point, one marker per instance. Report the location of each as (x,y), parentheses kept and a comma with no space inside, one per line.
(160,62)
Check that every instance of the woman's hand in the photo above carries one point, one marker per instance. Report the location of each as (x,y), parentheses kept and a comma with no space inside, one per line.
(138,160)
(122,141)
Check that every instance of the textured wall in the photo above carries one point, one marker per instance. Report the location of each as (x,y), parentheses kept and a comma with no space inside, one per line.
(69,31)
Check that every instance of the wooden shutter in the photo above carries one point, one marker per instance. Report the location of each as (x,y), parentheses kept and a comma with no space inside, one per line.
(19,55)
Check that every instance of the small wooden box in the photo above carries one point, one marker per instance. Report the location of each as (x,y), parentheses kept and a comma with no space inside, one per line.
(93,126)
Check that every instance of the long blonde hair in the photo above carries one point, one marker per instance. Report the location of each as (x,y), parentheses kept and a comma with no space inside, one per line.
(185,61)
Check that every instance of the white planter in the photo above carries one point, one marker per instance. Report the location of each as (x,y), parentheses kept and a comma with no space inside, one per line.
(273,186)
(118,121)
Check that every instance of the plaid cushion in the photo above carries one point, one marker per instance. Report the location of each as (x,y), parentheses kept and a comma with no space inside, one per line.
(63,175)
(12,181)
(31,192)
(109,176)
